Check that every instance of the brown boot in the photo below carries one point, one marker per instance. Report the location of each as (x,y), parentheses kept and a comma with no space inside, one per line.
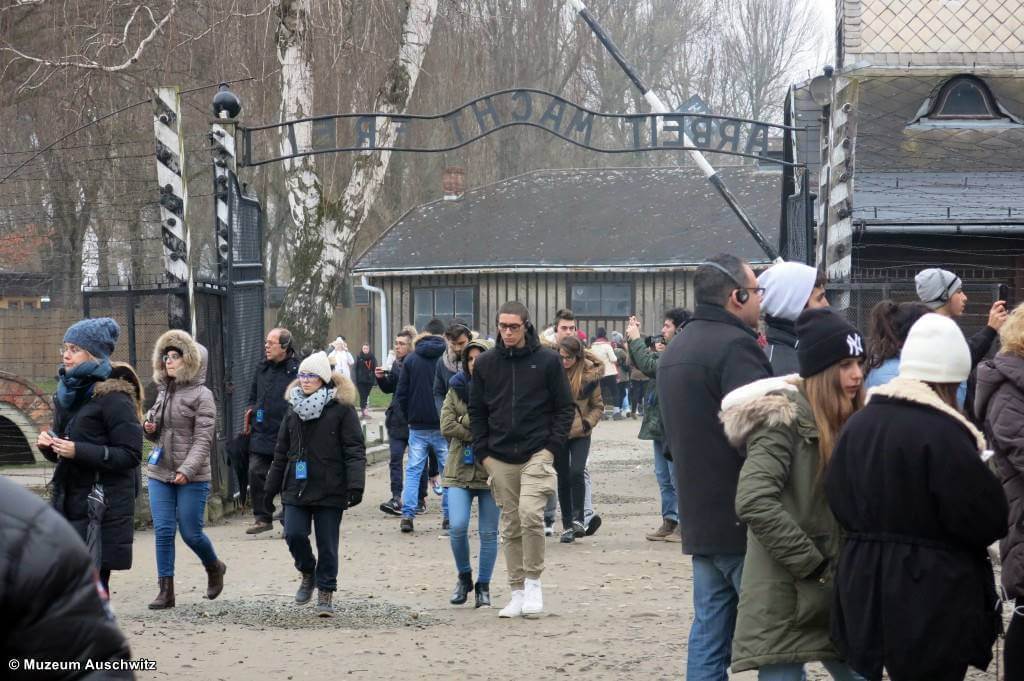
(677,535)
(663,532)
(215,579)
(164,599)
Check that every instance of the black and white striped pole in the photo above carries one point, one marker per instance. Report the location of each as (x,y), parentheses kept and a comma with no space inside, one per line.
(170,166)
(659,107)
(226,107)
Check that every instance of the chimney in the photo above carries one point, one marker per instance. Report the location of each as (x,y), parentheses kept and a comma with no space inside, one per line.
(453,181)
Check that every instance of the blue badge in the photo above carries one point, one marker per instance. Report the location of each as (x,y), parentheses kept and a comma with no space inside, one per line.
(300,470)
(259,415)
(467,456)
(154,457)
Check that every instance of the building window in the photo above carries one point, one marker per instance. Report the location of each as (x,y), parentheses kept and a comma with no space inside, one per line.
(964,97)
(602,300)
(444,303)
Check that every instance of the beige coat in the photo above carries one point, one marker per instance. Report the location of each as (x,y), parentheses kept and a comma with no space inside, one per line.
(185,413)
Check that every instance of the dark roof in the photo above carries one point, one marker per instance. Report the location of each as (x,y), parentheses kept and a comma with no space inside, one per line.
(626,217)
(908,170)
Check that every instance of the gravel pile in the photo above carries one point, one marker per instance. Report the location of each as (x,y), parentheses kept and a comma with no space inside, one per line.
(274,613)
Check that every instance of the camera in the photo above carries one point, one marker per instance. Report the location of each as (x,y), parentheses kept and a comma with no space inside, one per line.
(651,341)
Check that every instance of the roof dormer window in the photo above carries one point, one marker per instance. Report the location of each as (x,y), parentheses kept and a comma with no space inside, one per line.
(964,97)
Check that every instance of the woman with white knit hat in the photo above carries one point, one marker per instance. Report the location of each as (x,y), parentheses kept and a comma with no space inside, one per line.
(319,469)
(914,587)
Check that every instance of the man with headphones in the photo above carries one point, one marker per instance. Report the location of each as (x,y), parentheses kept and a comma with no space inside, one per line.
(716,352)
(263,416)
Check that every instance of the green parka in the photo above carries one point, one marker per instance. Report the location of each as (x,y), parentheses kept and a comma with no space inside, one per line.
(646,360)
(455,427)
(783,614)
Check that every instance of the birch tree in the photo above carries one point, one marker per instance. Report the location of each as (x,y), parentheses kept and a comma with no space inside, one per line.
(326,228)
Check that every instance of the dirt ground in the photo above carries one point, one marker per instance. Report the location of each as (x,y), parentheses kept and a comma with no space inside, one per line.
(616,606)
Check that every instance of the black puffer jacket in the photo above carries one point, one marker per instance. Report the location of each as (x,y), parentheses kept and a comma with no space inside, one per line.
(108,449)
(519,402)
(49,593)
(267,393)
(333,448)
(394,419)
(1000,404)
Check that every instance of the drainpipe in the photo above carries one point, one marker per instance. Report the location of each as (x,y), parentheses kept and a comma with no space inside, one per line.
(384,337)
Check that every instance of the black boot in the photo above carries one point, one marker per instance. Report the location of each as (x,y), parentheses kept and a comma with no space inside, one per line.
(462,588)
(483,594)
(305,591)
(164,599)
(215,579)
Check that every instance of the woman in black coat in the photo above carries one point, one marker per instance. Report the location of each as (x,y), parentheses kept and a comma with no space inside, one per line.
(366,366)
(914,587)
(999,402)
(319,469)
(96,439)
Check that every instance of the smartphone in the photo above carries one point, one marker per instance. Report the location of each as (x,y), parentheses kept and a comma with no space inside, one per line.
(1004,293)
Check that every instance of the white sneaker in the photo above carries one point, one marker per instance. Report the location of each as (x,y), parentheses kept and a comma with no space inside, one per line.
(533,600)
(515,605)
(549,530)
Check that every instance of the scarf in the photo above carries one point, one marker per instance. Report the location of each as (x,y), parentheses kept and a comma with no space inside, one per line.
(76,386)
(309,407)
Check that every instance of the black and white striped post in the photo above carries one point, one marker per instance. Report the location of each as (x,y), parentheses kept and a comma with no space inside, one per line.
(170,166)
(222,138)
(659,107)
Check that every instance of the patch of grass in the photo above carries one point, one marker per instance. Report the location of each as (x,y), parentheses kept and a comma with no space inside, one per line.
(379,399)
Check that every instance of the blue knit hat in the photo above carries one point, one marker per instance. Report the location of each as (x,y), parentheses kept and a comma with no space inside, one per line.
(97,336)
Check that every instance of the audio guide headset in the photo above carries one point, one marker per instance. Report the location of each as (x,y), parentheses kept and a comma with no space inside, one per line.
(284,338)
(742,294)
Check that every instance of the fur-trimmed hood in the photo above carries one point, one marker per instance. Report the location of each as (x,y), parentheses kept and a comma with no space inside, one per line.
(123,379)
(911,390)
(194,356)
(768,402)
(429,345)
(345,392)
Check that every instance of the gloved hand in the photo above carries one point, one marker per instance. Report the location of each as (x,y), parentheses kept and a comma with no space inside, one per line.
(355,497)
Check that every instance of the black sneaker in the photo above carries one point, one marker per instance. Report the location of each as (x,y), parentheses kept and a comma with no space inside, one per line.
(392,507)
(593,526)
(568,536)
(577,529)
(406,525)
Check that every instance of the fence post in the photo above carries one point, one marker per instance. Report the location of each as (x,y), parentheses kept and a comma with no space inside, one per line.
(170,173)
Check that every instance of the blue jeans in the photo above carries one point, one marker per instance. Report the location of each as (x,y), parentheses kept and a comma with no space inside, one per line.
(460,507)
(179,507)
(665,472)
(325,521)
(716,593)
(420,441)
(839,671)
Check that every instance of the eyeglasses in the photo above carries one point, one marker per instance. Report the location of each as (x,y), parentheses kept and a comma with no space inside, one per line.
(568,359)
(510,327)
(69,348)
(268,343)
(307,377)
(171,356)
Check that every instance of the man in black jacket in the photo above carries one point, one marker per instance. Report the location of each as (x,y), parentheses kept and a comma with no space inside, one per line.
(398,427)
(716,352)
(263,416)
(54,607)
(520,411)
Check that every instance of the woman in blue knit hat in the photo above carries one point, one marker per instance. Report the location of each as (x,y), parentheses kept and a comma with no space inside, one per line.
(96,441)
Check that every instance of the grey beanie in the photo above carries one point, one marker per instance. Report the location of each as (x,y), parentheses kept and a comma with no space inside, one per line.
(97,336)
(935,286)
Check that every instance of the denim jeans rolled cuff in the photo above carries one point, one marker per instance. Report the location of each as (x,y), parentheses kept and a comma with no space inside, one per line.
(460,509)
(665,473)
(420,442)
(716,588)
(325,523)
(179,508)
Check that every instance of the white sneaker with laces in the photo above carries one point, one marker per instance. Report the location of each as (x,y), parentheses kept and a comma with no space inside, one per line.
(515,605)
(533,599)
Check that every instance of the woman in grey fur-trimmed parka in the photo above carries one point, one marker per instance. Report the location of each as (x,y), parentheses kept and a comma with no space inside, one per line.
(181,424)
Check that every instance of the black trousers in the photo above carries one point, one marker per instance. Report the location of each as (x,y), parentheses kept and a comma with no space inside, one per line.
(259,467)
(636,396)
(610,392)
(1013,647)
(569,464)
(326,523)
(364,393)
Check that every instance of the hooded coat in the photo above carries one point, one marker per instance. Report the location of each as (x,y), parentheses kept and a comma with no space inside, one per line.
(914,589)
(519,401)
(588,404)
(332,446)
(999,402)
(455,426)
(49,593)
(185,413)
(783,614)
(107,434)
(415,393)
